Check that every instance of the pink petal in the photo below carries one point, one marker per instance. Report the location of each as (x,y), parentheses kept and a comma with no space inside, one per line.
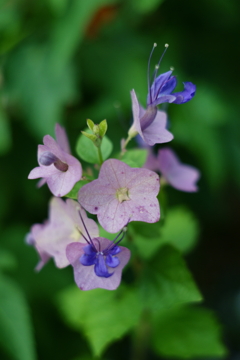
(180,176)
(62,138)
(157,133)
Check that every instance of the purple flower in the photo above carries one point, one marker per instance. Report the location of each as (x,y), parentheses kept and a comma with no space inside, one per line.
(181,176)
(56,166)
(121,194)
(63,227)
(98,264)
(162,88)
(151,123)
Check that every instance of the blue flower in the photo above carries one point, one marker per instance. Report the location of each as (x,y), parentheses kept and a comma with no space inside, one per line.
(162,88)
(100,259)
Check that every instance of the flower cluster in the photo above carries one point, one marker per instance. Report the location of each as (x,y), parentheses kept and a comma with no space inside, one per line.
(119,195)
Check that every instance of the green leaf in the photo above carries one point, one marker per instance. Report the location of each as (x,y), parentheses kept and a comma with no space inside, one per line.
(73,194)
(103,128)
(7,260)
(180,229)
(90,124)
(135,157)
(103,316)
(5,134)
(88,151)
(166,282)
(15,326)
(144,6)
(188,332)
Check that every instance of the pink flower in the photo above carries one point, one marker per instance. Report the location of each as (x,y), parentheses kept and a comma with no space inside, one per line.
(92,262)
(57,167)
(122,194)
(62,228)
(181,176)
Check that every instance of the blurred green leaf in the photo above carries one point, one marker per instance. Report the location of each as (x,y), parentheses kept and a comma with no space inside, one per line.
(166,282)
(135,157)
(7,260)
(5,134)
(144,6)
(103,316)
(73,194)
(15,325)
(88,151)
(180,228)
(187,333)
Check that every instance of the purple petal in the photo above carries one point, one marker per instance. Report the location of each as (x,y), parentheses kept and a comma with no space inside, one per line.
(62,138)
(101,268)
(88,260)
(157,133)
(151,162)
(85,276)
(47,158)
(112,261)
(115,250)
(180,176)
(157,84)
(185,95)
(168,86)
(89,250)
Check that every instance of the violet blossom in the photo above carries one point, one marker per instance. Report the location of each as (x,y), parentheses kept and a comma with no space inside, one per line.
(98,264)
(180,176)
(62,228)
(57,167)
(121,194)
(151,123)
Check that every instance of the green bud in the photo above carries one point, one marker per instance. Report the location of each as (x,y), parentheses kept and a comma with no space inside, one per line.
(96,130)
(103,128)
(95,139)
(90,124)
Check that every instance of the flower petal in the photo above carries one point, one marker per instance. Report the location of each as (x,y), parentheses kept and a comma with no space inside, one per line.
(112,261)
(157,133)
(100,267)
(185,95)
(62,138)
(180,176)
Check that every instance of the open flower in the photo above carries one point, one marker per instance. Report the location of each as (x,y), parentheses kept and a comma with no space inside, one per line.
(180,176)
(63,227)
(121,194)
(98,264)
(57,167)
(151,123)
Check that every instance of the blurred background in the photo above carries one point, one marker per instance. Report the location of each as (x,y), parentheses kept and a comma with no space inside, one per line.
(68,60)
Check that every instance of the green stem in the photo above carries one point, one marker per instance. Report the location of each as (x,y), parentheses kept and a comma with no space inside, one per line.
(125,144)
(100,155)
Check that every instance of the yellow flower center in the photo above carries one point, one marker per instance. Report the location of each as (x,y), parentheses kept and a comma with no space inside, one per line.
(122,194)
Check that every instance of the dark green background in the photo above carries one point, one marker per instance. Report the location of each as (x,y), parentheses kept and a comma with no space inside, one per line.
(65,61)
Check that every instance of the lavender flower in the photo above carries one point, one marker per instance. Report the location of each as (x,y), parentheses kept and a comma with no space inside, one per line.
(121,194)
(151,123)
(181,176)
(98,264)
(63,227)
(56,166)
